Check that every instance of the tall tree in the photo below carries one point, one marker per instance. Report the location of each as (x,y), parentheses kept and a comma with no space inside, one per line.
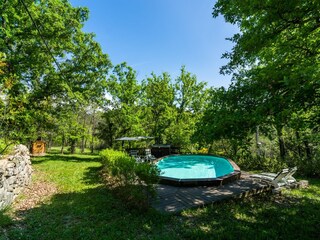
(48,60)
(159,105)
(191,95)
(226,118)
(277,50)
(121,117)
(190,100)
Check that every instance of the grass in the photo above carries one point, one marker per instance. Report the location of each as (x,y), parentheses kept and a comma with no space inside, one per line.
(83,208)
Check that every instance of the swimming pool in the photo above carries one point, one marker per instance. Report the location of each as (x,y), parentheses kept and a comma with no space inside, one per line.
(193,170)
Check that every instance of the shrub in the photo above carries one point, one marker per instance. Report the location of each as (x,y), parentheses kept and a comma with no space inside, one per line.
(133,182)
(203,151)
(5,148)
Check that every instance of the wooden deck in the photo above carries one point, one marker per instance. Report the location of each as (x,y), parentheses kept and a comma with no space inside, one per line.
(172,199)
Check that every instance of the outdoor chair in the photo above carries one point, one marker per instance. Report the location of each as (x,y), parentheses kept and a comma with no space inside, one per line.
(288,178)
(282,178)
(134,154)
(148,156)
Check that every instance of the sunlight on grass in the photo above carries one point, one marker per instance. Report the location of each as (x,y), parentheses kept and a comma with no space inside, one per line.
(245,217)
(312,192)
(84,208)
(68,172)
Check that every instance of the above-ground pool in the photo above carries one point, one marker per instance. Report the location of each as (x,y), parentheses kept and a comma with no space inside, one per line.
(194,170)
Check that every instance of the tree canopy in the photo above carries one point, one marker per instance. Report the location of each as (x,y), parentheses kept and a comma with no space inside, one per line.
(278,47)
(275,66)
(55,81)
(47,60)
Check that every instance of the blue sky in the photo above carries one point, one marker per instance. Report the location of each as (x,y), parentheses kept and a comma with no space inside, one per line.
(161,36)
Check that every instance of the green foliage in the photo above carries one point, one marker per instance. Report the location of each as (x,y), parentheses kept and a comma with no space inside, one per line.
(120,166)
(132,181)
(274,62)
(160,107)
(110,156)
(122,116)
(2,63)
(275,68)
(5,220)
(190,99)
(225,118)
(147,173)
(47,63)
(4,148)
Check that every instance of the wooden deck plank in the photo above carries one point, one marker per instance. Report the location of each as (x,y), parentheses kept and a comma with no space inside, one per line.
(173,199)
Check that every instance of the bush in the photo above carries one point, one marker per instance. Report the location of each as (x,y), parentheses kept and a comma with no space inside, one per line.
(5,148)
(133,182)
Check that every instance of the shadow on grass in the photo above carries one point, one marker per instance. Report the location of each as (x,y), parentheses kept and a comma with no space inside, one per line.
(96,214)
(90,213)
(255,218)
(5,220)
(91,176)
(57,150)
(93,214)
(65,157)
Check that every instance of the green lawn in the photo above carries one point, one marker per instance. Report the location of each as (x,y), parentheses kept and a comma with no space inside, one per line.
(81,207)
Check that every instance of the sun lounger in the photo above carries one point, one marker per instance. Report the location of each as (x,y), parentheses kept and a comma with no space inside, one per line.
(288,178)
(282,178)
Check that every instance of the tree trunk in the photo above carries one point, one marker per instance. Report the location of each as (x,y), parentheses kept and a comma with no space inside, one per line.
(111,136)
(258,144)
(234,149)
(62,144)
(308,149)
(83,137)
(282,146)
(91,144)
(85,142)
(92,132)
(298,144)
(82,144)
(50,142)
(73,146)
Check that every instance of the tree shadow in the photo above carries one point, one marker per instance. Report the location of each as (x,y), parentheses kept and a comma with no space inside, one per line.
(65,157)
(92,175)
(255,218)
(96,213)
(91,214)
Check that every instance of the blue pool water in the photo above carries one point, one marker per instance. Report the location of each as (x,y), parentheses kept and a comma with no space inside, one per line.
(194,166)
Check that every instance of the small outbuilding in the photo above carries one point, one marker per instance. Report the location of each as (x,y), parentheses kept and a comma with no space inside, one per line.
(38,148)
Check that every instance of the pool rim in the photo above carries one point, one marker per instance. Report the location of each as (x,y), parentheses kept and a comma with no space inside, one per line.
(219,181)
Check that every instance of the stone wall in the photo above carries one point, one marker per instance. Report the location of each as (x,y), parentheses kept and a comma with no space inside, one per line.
(15,174)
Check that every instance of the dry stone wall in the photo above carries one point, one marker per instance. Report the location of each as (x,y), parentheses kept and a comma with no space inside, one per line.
(15,174)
